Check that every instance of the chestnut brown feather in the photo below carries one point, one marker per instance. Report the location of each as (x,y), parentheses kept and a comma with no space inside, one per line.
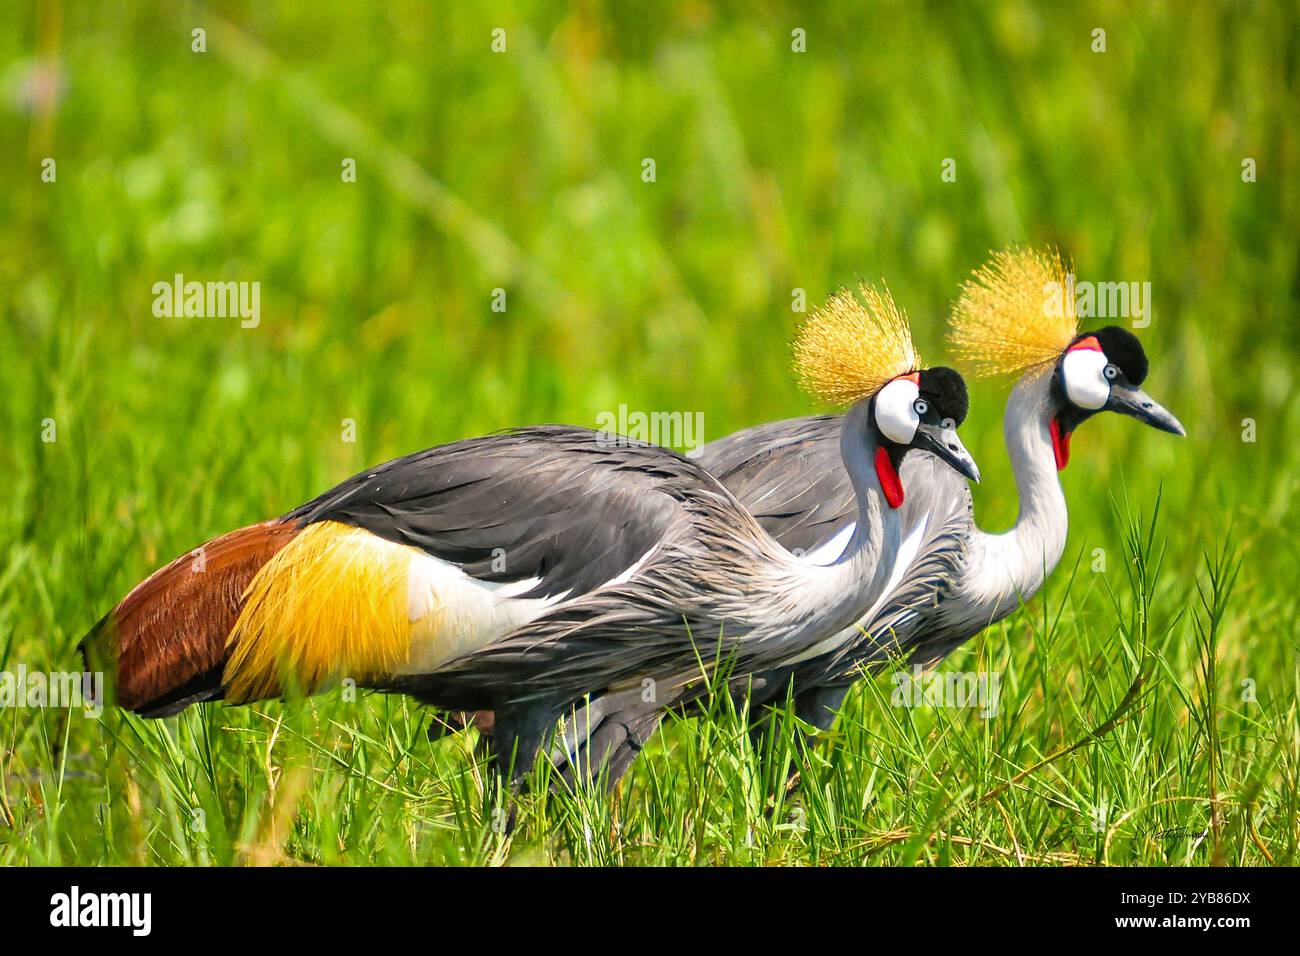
(171,629)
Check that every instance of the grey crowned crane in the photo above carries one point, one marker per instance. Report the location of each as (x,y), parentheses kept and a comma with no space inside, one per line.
(520,572)
(960,578)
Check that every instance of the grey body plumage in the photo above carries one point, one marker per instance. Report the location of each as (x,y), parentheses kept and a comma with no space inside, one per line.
(960,579)
(684,575)
(789,474)
(556,504)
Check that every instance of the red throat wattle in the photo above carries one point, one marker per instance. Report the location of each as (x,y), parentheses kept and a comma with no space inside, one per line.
(889,480)
(1060,444)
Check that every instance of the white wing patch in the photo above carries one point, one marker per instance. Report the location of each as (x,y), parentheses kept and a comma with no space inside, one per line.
(452,613)
(903,559)
(832,550)
(509,589)
(636,566)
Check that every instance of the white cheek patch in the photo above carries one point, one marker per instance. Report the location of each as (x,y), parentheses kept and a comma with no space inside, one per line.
(1083,371)
(895,416)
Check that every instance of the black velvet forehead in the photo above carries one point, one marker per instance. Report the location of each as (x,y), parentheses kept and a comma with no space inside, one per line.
(1123,350)
(945,390)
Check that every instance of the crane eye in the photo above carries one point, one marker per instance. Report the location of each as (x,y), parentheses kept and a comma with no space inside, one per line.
(948,424)
(920,406)
(1111,372)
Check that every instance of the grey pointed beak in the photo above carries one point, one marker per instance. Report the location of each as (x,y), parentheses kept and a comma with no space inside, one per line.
(944,443)
(1136,403)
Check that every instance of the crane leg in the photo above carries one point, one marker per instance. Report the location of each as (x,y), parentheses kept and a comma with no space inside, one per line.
(519,732)
(817,706)
(820,705)
(639,733)
(604,739)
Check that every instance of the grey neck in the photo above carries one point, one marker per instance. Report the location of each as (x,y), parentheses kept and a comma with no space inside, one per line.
(838,594)
(1016,563)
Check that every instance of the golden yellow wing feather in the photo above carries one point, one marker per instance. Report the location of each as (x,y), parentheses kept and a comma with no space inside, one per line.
(331,604)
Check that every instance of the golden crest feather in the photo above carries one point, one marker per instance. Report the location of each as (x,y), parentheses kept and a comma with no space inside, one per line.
(850,347)
(1014,314)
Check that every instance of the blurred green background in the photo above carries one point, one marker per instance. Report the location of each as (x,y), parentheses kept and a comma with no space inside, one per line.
(521,170)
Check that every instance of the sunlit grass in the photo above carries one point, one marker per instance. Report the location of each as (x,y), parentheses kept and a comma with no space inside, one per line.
(1108,746)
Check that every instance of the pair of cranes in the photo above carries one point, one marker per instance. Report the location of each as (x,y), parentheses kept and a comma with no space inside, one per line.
(954,579)
(793,554)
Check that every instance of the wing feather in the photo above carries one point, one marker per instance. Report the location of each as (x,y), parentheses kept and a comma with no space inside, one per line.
(565,506)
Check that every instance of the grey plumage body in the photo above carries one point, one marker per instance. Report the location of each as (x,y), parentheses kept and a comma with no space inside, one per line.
(958,580)
(691,577)
(950,579)
(961,578)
